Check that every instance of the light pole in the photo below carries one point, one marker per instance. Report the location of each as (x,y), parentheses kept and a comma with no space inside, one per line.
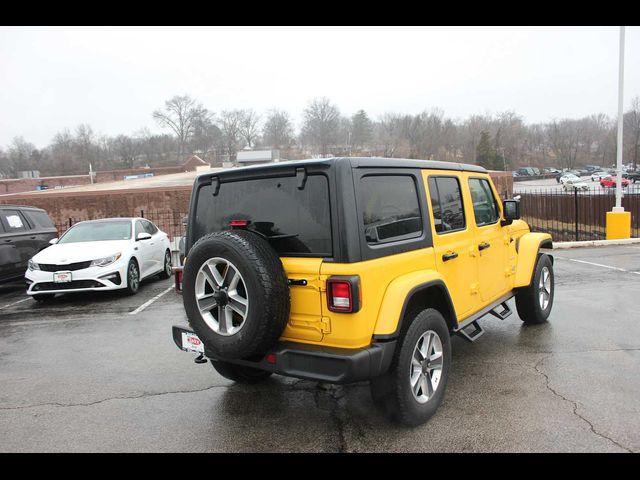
(619,207)
(618,221)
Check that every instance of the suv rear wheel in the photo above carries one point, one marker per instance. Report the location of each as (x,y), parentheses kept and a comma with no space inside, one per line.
(235,293)
(413,388)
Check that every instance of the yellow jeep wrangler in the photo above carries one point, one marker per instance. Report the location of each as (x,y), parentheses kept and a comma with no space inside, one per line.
(349,269)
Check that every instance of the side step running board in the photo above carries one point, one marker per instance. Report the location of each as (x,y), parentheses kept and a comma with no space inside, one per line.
(471,332)
(502,314)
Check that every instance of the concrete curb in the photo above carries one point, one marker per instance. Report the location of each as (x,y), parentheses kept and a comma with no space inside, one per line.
(595,243)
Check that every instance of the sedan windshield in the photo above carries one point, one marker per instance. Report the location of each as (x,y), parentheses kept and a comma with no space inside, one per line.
(97,231)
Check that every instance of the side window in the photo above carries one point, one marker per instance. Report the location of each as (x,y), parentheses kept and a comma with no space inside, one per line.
(149,227)
(13,221)
(39,219)
(139,228)
(485,208)
(446,202)
(390,209)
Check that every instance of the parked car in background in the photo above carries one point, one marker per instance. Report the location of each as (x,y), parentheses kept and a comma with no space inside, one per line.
(599,175)
(633,176)
(574,183)
(569,177)
(24,231)
(610,182)
(110,254)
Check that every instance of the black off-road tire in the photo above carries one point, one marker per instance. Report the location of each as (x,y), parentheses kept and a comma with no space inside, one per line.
(240,373)
(166,270)
(528,301)
(267,291)
(391,392)
(133,277)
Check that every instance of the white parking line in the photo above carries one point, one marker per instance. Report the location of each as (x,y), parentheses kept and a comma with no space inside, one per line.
(598,265)
(14,303)
(146,304)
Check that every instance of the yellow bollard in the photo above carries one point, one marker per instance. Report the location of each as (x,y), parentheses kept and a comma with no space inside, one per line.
(618,225)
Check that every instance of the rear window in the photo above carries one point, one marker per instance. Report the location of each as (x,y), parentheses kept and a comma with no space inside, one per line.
(39,219)
(296,221)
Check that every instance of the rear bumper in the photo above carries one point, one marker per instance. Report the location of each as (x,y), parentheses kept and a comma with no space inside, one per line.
(314,362)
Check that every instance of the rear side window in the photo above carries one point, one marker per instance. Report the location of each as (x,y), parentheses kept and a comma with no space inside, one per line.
(295,221)
(149,227)
(446,202)
(12,221)
(39,219)
(485,208)
(390,208)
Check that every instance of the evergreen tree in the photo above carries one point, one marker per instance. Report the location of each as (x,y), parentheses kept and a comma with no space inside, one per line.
(361,129)
(485,154)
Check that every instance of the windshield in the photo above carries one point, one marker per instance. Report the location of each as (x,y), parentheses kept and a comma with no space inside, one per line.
(97,231)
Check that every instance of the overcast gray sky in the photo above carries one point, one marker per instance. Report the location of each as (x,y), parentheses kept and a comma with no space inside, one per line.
(113,78)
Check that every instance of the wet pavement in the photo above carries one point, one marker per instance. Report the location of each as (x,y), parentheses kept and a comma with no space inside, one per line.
(84,374)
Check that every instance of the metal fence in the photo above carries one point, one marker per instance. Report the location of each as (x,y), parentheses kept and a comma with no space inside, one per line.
(577,215)
(168,221)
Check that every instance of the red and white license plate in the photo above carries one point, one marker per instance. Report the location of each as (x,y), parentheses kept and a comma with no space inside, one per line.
(62,277)
(191,343)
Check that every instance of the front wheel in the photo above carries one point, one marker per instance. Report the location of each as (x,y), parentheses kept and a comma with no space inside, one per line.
(133,277)
(534,302)
(166,271)
(413,388)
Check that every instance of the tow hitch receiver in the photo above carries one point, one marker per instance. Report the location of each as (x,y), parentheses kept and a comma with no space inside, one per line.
(188,341)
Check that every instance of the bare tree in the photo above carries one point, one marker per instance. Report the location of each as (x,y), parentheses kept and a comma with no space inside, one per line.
(631,133)
(181,114)
(249,128)
(278,130)
(321,124)
(231,126)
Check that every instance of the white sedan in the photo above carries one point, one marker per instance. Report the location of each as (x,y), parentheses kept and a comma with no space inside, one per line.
(574,183)
(597,176)
(110,254)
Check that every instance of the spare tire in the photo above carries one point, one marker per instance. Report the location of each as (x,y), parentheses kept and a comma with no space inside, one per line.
(235,293)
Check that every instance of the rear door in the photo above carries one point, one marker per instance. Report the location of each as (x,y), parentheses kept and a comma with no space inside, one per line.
(293,214)
(454,240)
(19,246)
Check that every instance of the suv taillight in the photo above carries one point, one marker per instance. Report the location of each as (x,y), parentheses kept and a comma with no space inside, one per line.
(343,294)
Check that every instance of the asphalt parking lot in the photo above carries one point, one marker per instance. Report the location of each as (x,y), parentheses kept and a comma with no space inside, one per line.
(101,373)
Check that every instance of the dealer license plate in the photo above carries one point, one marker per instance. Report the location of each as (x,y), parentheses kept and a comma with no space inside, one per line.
(191,343)
(62,277)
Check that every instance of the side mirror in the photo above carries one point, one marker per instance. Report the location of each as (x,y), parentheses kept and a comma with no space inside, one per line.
(143,236)
(511,211)
(53,241)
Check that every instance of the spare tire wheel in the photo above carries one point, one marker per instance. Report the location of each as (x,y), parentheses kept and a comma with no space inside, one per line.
(235,293)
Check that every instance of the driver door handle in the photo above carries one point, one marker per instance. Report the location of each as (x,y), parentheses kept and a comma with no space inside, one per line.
(483,246)
(449,256)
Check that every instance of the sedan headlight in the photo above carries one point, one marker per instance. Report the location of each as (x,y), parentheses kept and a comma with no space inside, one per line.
(31,265)
(103,262)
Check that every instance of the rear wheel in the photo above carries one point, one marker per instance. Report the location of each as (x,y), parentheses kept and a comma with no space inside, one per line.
(534,302)
(413,388)
(240,373)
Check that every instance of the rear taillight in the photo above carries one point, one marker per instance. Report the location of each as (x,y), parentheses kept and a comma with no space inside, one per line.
(343,294)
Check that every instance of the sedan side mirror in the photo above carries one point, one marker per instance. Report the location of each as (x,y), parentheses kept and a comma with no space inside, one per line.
(511,211)
(143,236)
(53,241)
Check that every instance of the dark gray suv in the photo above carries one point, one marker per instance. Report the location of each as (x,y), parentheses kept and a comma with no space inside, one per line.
(24,231)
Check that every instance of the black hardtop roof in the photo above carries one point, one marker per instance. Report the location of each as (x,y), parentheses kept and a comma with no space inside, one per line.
(356,162)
